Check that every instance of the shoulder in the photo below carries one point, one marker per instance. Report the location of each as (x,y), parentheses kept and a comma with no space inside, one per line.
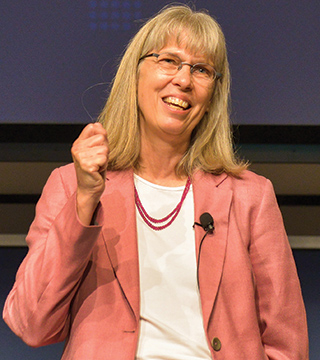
(63,178)
(247,180)
(250,185)
(251,191)
(248,188)
(66,172)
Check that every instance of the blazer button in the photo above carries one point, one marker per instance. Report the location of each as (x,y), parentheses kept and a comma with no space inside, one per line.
(216,344)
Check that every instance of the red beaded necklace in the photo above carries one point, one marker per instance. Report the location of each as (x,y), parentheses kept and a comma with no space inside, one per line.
(152,222)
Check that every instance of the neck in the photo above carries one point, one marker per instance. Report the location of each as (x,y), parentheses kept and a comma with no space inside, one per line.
(158,161)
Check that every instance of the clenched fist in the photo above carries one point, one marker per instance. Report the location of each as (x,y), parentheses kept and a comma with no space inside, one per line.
(90,156)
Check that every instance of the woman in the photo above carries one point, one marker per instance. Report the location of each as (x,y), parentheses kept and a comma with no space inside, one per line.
(117,264)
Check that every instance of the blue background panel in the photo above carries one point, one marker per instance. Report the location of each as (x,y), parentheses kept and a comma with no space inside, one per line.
(52,51)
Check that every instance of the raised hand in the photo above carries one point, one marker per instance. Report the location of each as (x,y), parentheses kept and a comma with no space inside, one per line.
(90,156)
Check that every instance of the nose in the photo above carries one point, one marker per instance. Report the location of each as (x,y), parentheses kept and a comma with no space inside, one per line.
(183,77)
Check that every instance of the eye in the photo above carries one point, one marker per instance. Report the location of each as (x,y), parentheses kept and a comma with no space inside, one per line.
(168,59)
(202,70)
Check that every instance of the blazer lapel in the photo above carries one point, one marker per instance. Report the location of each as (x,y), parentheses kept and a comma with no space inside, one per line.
(120,234)
(209,197)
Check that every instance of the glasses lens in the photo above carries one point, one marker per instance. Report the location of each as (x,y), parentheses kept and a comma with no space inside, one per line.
(169,63)
(203,71)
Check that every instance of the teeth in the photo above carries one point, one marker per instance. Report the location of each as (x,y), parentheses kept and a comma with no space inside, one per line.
(176,102)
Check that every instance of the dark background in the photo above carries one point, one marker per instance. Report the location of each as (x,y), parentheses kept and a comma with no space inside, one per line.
(52,51)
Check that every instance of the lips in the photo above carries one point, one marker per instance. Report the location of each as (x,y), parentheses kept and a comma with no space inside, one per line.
(176,103)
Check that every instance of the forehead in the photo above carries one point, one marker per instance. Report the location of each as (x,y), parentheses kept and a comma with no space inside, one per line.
(184,48)
(183,54)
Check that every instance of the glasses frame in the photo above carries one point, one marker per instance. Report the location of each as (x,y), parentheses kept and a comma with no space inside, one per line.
(217,75)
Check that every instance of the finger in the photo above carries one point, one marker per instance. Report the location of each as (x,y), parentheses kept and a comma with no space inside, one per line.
(97,166)
(89,138)
(96,140)
(91,130)
(92,159)
(84,145)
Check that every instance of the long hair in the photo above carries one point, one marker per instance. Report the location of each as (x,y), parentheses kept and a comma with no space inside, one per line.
(210,148)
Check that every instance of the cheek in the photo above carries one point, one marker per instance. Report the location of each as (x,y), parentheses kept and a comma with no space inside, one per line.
(142,92)
(150,89)
(207,100)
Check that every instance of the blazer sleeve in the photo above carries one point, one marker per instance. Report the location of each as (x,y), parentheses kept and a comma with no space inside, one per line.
(280,305)
(37,308)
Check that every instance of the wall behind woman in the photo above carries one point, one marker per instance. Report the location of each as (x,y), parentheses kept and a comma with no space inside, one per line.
(54,51)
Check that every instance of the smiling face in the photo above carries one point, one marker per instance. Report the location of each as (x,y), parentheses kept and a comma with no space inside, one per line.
(170,106)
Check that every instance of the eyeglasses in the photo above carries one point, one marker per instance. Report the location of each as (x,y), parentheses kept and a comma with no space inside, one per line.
(170,64)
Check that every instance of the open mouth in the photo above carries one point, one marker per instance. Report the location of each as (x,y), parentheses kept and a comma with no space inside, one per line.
(176,103)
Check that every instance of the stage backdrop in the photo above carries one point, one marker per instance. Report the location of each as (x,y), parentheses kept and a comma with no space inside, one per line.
(52,51)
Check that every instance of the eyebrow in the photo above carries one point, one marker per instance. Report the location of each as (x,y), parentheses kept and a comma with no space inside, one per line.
(202,61)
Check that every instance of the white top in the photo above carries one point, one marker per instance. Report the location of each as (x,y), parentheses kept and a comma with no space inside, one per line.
(171,325)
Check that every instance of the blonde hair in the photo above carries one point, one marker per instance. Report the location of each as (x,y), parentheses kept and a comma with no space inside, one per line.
(210,147)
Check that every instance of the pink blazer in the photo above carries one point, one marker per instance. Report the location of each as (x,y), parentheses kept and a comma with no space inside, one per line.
(81,284)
